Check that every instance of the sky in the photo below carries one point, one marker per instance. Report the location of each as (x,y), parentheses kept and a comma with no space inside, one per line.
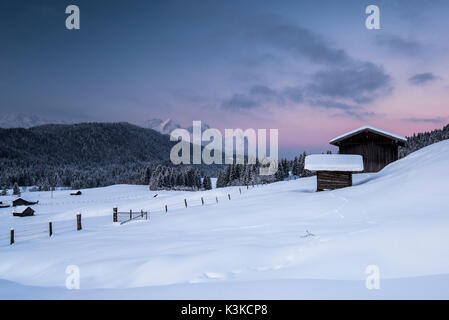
(310,69)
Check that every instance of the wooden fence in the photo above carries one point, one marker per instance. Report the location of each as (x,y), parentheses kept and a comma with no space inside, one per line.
(117,217)
(130,215)
(37,231)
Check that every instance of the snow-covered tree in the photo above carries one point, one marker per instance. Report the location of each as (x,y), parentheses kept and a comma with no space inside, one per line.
(16,190)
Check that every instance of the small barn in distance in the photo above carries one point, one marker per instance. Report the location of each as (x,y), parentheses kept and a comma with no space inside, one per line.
(22,202)
(377,147)
(23,211)
(333,171)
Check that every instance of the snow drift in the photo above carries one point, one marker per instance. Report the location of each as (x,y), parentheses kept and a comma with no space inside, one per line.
(276,241)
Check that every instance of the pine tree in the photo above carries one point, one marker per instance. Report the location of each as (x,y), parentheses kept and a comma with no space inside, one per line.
(295,167)
(285,168)
(228,176)
(147,176)
(279,175)
(197,180)
(180,179)
(221,179)
(16,190)
(207,183)
(156,181)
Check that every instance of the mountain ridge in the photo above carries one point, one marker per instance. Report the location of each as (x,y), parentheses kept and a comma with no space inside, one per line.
(106,153)
(20,120)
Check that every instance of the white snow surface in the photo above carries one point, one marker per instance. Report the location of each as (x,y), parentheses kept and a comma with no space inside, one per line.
(277,241)
(334,162)
(369,128)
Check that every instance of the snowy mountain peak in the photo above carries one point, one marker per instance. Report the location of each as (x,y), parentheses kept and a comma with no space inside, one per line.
(162,126)
(168,125)
(18,120)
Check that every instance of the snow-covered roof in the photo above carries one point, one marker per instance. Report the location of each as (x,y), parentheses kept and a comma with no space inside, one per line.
(368,128)
(20,208)
(334,162)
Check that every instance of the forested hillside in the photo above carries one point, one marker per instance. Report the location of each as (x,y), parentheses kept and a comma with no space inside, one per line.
(82,155)
(421,140)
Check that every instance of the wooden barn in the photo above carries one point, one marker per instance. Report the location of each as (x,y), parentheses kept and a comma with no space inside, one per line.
(22,202)
(377,147)
(23,211)
(333,171)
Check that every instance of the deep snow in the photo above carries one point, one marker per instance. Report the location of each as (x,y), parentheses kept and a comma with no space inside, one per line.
(369,128)
(334,162)
(281,240)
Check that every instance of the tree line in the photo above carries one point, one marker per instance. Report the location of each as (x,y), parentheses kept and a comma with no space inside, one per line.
(421,140)
(169,178)
(248,174)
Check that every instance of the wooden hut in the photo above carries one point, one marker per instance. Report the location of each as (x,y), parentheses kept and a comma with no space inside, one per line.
(333,171)
(23,211)
(377,147)
(22,202)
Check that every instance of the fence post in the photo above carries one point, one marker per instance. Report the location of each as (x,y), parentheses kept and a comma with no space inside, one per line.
(12,236)
(185,202)
(202,201)
(216,199)
(130,214)
(114,214)
(229,196)
(240,190)
(141,213)
(146,215)
(78,222)
(246,187)
(50,229)
(166,208)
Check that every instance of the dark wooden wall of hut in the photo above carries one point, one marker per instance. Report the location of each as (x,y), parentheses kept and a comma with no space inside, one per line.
(377,151)
(330,180)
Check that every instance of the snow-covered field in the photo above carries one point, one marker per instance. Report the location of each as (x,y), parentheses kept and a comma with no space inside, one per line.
(278,241)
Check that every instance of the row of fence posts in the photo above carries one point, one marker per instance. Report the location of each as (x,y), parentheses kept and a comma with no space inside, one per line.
(202,200)
(50,228)
(115,214)
(115,210)
(115,218)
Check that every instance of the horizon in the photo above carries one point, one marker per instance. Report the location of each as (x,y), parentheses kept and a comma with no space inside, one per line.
(311,73)
(224,154)
(283,152)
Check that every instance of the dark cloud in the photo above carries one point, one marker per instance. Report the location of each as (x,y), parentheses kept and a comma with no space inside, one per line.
(260,90)
(331,104)
(294,94)
(298,41)
(425,120)
(337,88)
(240,102)
(256,97)
(359,83)
(346,110)
(420,79)
(345,84)
(358,114)
(259,95)
(399,45)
